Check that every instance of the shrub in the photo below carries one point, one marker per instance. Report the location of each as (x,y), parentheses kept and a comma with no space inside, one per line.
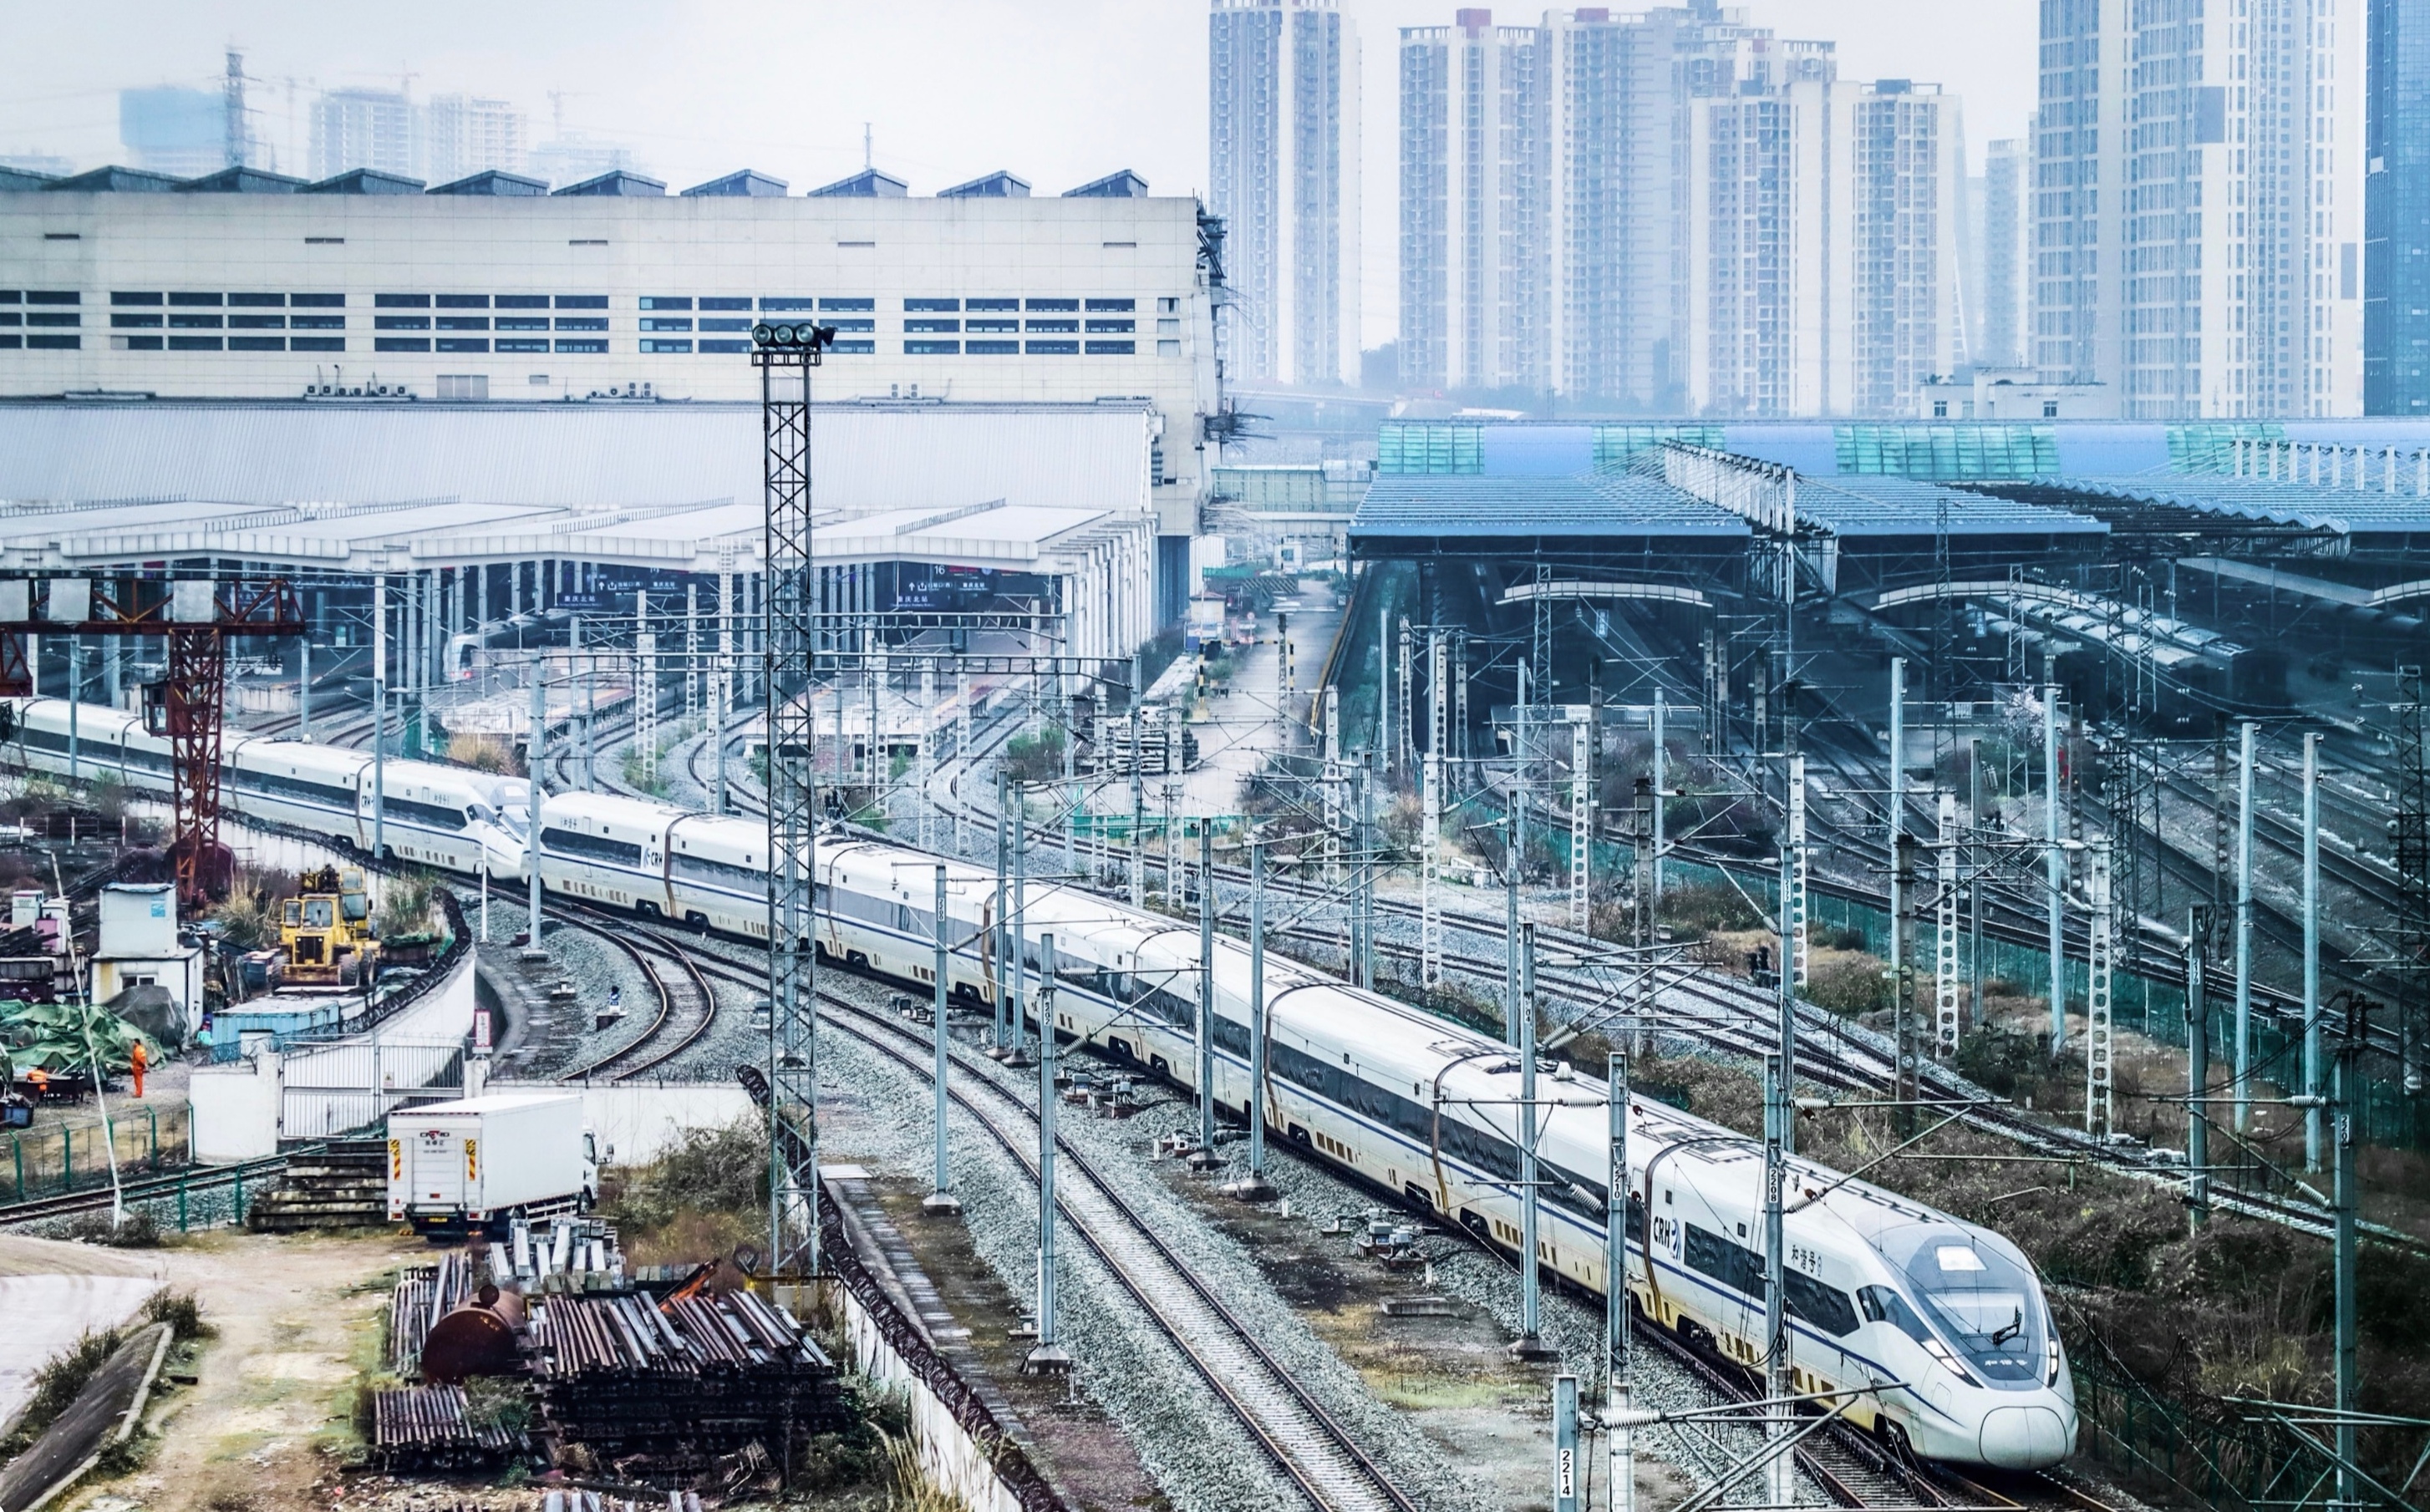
(1849,987)
(56,1387)
(181,1312)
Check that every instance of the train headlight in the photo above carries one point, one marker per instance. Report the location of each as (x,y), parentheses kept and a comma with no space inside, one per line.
(1940,1351)
(2050,1346)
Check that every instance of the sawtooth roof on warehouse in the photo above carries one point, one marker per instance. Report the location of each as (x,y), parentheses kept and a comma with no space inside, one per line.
(351,487)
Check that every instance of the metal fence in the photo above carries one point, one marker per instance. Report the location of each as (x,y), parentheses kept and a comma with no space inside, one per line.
(340,1087)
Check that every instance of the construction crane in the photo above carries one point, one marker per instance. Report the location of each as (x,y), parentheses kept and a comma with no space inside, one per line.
(196,616)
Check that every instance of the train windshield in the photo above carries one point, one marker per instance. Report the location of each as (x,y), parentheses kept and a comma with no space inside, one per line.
(1984,1301)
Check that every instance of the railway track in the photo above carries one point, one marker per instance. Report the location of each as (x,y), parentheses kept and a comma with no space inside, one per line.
(1306,1442)
(1853,1470)
(149,1192)
(687,1004)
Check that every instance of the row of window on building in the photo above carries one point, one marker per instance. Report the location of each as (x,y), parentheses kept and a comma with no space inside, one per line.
(702,328)
(596,345)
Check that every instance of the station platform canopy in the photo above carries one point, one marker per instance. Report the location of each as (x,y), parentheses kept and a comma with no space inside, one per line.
(1479,510)
(2197,501)
(1854,508)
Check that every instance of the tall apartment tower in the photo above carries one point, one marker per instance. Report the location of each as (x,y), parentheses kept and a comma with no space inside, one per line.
(1766,294)
(1474,264)
(1283,173)
(2199,206)
(2002,296)
(365,128)
(1907,174)
(1613,84)
(2396,212)
(465,135)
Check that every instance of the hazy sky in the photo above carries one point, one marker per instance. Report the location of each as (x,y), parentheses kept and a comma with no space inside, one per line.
(1061,92)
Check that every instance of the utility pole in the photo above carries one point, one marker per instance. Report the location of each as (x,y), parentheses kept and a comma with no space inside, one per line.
(1566,1496)
(303,689)
(1047,1357)
(1974,882)
(941,1198)
(1254,1188)
(2313,1080)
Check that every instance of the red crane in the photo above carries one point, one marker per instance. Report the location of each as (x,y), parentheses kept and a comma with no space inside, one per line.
(196,617)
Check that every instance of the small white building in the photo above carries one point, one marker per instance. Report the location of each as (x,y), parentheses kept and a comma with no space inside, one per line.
(2012,393)
(138,947)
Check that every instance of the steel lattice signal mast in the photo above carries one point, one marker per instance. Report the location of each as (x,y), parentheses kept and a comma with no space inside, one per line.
(784,354)
(195,617)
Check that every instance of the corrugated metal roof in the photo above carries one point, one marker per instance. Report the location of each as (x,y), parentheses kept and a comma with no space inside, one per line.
(1871,506)
(1621,504)
(574,455)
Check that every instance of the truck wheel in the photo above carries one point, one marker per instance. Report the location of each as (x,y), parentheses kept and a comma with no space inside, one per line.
(582,1203)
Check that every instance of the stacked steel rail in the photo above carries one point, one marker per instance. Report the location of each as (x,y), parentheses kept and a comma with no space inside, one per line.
(668,1389)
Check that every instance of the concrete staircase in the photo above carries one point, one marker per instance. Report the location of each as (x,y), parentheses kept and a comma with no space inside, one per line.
(342,1185)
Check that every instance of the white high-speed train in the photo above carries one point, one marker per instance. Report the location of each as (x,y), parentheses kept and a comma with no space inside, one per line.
(1942,1324)
(444,815)
(1947,1319)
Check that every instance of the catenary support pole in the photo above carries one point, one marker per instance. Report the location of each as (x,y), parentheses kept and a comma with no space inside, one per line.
(2054,862)
(2313,1081)
(537,749)
(1001,945)
(1207,992)
(2198,943)
(1020,907)
(1529,1345)
(1897,807)
(1566,1480)
(1781,1476)
(941,1198)
(1661,788)
(2244,932)
(1254,1188)
(1511,828)
(2347,1195)
(1048,1357)
(1618,1380)
(379,730)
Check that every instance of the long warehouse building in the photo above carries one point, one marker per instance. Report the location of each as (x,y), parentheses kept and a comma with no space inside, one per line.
(125,287)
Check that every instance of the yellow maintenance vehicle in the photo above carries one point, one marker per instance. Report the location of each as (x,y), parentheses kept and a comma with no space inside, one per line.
(326,932)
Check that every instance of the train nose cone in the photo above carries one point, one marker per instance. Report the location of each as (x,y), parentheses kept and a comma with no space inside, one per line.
(2023,1438)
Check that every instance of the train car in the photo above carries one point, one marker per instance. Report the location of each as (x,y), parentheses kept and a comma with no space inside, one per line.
(106,741)
(452,818)
(717,873)
(1882,1289)
(448,817)
(607,849)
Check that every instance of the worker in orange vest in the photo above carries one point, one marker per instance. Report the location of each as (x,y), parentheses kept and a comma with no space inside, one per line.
(40,1080)
(137,1060)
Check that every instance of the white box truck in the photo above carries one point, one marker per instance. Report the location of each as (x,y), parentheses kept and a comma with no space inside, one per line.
(456,1167)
